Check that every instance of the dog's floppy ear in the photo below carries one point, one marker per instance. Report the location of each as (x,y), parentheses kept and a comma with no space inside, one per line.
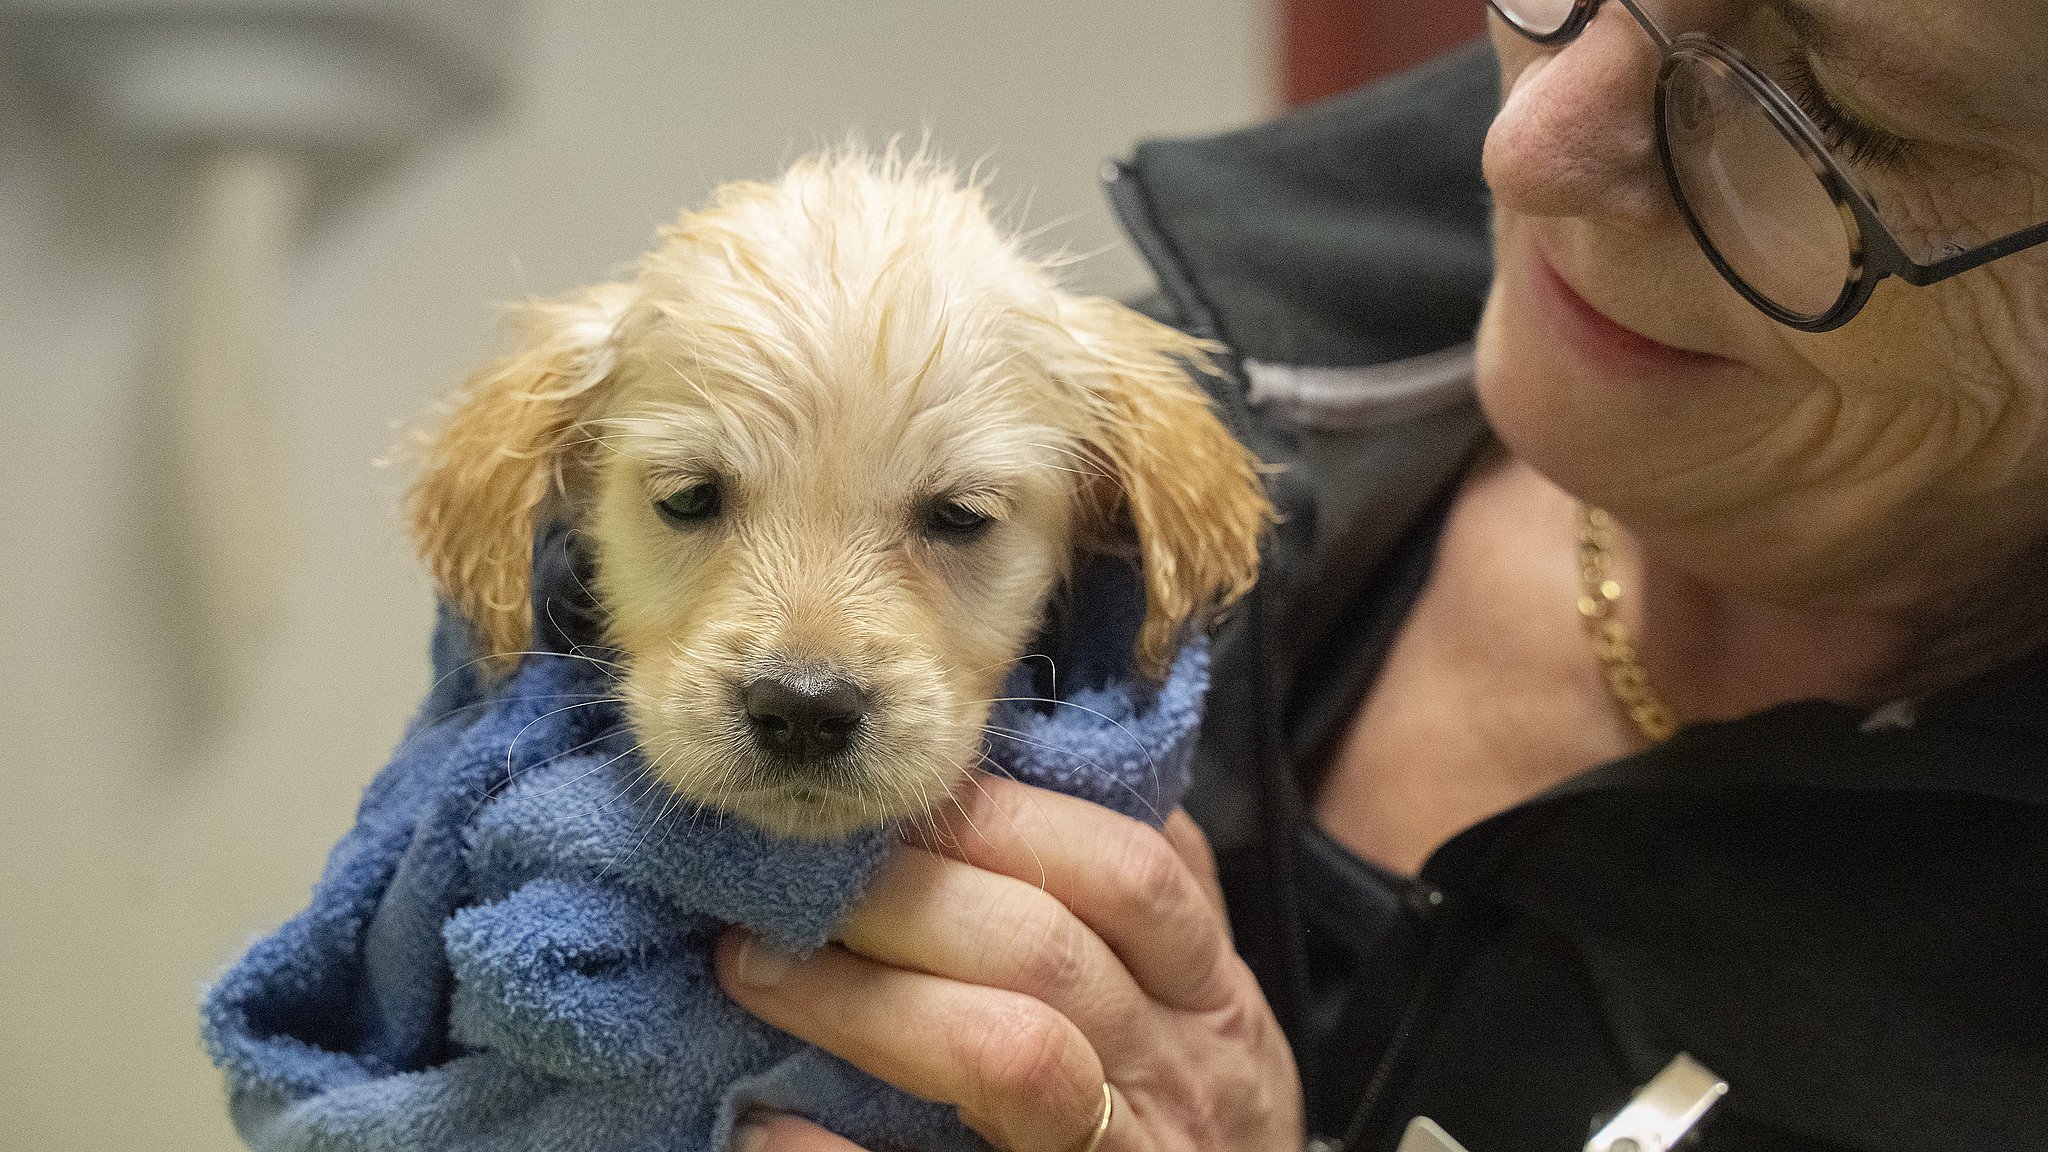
(500,451)
(1186,486)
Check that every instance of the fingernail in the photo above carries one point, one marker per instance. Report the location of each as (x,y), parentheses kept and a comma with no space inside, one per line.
(749,1136)
(757,965)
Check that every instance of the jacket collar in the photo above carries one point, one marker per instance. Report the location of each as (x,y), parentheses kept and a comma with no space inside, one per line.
(1327,238)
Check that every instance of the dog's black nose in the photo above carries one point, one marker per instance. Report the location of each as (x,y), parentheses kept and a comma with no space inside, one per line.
(807,721)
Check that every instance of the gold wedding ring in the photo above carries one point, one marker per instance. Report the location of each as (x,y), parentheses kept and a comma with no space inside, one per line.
(1102,1124)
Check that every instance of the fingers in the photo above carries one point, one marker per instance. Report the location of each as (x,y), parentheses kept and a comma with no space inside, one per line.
(1187,839)
(780,1132)
(1123,879)
(1021,1074)
(940,916)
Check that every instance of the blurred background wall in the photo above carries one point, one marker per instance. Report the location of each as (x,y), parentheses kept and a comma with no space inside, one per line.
(172,776)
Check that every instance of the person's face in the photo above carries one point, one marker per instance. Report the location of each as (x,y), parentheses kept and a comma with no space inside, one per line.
(1615,360)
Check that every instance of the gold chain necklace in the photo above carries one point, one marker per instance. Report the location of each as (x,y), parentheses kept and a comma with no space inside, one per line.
(1600,608)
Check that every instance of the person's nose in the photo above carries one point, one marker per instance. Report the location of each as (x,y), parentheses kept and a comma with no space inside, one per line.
(1576,133)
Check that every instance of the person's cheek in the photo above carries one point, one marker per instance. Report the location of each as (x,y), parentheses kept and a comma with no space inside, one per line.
(1962,350)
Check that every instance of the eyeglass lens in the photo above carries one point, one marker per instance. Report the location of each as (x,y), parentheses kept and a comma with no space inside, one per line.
(1752,192)
(1538,17)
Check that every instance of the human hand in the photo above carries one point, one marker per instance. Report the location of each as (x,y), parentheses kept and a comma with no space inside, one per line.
(1031,949)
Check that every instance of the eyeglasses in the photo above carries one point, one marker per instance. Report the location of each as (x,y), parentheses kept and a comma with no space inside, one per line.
(1770,205)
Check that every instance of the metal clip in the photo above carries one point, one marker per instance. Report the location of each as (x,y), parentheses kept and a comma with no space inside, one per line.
(1661,1114)
(1667,1108)
(1423,1135)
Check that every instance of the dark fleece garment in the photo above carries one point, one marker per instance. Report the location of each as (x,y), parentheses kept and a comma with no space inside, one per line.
(1847,919)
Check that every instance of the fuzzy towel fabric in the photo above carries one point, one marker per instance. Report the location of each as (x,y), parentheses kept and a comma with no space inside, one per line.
(510,949)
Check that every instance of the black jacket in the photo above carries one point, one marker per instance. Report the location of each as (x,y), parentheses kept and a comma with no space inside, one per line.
(1845,916)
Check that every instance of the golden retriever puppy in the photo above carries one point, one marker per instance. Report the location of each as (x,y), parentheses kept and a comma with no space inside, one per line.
(833,446)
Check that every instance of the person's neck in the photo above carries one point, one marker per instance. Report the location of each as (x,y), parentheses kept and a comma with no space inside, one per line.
(1717,655)
(1717,650)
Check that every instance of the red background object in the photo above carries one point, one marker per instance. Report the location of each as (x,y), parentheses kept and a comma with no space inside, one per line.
(1334,45)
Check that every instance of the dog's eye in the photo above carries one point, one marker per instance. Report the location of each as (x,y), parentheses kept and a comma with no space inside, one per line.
(693,505)
(950,519)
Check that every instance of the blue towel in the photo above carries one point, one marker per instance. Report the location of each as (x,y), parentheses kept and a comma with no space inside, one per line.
(510,950)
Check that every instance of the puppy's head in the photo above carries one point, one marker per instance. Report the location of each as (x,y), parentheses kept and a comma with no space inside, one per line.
(834,445)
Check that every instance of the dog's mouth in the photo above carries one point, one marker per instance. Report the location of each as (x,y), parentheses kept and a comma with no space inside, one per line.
(809,810)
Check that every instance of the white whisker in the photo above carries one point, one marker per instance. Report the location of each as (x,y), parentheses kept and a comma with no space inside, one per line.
(1151,762)
(1022,838)
(510,748)
(1101,771)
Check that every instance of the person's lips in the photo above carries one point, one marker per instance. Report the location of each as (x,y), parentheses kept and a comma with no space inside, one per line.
(1600,337)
